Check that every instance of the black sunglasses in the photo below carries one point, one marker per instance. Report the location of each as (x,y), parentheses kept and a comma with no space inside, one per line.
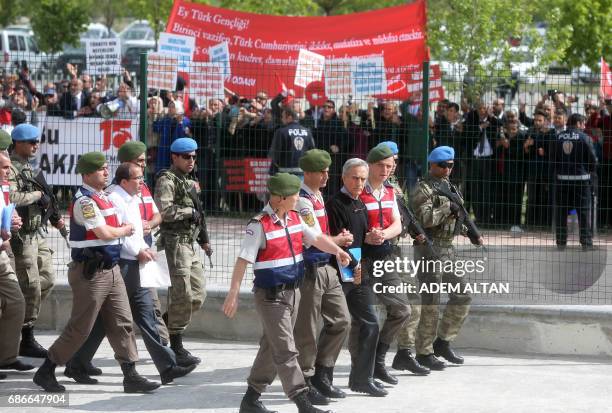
(33,142)
(446,165)
(188,157)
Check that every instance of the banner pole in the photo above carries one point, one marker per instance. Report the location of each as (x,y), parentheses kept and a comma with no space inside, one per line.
(425,116)
(143,98)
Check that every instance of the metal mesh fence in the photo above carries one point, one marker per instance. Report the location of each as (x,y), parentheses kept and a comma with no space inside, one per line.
(504,129)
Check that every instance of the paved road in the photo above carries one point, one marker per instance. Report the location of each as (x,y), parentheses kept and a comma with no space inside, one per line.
(486,383)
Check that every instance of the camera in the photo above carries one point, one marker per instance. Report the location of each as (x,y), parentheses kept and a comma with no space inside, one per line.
(552,92)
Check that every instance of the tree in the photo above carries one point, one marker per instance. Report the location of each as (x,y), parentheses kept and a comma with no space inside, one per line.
(156,12)
(278,7)
(109,11)
(56,22)
(9,10)
(588,28)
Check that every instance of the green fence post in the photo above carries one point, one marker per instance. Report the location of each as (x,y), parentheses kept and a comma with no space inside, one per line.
(143,97)
(425,116)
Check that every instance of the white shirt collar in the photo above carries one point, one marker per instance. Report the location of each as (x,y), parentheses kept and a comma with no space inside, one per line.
(122,193)
(371,189)
(268,210)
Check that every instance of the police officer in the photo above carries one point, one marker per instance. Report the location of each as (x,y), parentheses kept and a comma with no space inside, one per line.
(33,263)
(321,292)
(12,303)
(274,245)
(289,144)
(384,224)
(96,282)
(574,163)
(404,360)
(437,215)
(180,228)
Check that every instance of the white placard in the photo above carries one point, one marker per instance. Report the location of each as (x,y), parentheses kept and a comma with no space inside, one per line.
(63,141)
(206,81)
(368,76)
(338,83)
(161,71)
(103,56)
(220,54)
(181,47)
(309,68)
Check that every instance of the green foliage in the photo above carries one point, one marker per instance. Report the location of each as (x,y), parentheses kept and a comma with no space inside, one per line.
(156,12)
(278,7)
(56,22)
(9,10)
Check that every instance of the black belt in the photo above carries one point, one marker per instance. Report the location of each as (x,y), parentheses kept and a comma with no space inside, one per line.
(283,287)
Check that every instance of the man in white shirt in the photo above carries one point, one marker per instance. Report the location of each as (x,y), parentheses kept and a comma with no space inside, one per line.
(134,251)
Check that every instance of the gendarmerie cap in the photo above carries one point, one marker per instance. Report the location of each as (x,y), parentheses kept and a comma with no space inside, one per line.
(183,145)
(25,132)
(90,162)
(131,150)
(441,154)
(378,153)
(284,184)
(315,160)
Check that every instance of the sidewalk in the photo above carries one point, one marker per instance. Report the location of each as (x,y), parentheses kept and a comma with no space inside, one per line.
(488,382)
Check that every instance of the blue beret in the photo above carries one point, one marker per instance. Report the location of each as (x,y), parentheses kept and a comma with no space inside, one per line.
(183,145)
(25,132)
(441,154)
(392,145)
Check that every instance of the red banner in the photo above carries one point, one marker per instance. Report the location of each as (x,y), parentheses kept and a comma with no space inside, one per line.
(261,45)
(606,80)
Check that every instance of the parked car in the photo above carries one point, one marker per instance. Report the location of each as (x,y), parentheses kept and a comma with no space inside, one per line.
(18,47)
(131,55)
(584,74)
(137,34)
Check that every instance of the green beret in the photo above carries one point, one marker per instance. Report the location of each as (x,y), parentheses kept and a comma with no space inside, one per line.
(5,140)
(315,160)
(131,150)
(90,162)
(284,184)
(378,153)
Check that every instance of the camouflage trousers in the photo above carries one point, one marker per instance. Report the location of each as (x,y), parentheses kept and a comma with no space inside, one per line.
(187,292)
(34,269)
(430,325)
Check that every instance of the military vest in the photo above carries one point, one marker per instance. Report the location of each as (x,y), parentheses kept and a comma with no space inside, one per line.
(182,185)
(31,215)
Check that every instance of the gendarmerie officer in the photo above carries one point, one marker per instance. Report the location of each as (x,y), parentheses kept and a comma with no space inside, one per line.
(273,243)
(12,303)
(96,282)
(289,144)
(322,298)
(574,163)
(33,262)
(384,224)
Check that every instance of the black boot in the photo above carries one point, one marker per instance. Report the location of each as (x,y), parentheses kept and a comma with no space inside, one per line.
(442,349)
(431,362)
(304,405)
(29,347)
(2,376)
(134,382)
(45,378)
(17,365)
(323,381)
(251,404)
(171,373)
(78,374)
(370,388)
(404,360)
(183,357)
(380,370)
(315,396)
(92,370)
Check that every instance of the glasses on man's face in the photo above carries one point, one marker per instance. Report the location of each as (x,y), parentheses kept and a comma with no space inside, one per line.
(328,107)
(33,142)
(188,157)
(446,165)
(138,178)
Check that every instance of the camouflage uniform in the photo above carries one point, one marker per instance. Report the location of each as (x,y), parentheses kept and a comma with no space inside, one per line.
(33,262)
(434,214)
(178,233)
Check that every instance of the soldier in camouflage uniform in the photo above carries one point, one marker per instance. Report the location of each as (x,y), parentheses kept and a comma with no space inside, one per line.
(437,214)
(182,225)
(33,263)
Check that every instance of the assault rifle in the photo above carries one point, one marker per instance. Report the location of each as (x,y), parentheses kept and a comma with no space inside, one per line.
(201,233)
(52,212)
(411,226)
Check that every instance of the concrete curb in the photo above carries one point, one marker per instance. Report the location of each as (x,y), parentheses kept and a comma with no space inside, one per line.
(511,329)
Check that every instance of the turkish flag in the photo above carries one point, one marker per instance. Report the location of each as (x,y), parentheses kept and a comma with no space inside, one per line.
(606,80)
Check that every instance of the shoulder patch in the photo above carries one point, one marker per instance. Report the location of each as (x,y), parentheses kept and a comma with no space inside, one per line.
(307,217)
(87,207)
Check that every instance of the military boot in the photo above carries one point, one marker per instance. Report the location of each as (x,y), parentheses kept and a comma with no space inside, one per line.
(78,374)
(45,378)
(29,347)
(368,387)
(304,405)
(251,404)
(3,376)
(404,360)
(442,349)
(171,373)
(380,370)
(323,381)
(430,361)
(17,365)
(134,382)
(315,396)
(183,357)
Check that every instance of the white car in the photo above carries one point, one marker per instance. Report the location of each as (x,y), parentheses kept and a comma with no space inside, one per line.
(137,34)
(17,46)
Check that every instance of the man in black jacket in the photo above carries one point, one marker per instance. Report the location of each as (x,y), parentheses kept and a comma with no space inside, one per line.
(289,144)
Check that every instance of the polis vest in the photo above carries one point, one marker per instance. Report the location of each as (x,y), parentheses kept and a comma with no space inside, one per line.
(281,261)
(81,238)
